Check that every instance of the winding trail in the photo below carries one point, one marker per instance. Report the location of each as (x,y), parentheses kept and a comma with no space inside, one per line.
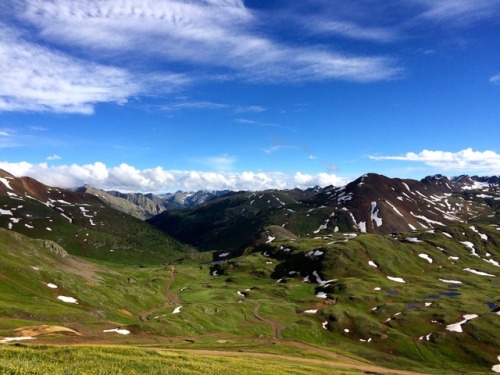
(277,327)
(171,299)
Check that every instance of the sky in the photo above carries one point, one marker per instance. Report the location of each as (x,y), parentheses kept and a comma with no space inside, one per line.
(166,95)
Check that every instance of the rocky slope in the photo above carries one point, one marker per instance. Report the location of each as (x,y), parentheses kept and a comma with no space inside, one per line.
(82,223)
(144,206)
(372,203)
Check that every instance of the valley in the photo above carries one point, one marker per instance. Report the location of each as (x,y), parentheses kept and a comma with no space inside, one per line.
(380,276)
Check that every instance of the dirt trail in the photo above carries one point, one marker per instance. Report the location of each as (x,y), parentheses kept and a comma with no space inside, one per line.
(277,327)
(172,299)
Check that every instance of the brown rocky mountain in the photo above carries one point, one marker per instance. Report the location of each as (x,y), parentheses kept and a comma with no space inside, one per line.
(372,203)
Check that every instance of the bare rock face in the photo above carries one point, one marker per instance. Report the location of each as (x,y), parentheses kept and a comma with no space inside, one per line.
(137,205)
(53,247)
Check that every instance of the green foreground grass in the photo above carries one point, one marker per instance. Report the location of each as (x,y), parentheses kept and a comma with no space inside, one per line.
(118,360)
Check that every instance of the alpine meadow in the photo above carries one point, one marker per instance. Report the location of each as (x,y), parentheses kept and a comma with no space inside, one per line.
(249,187)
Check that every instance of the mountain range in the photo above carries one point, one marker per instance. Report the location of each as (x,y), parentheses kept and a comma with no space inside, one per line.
(383,271)
(144,206)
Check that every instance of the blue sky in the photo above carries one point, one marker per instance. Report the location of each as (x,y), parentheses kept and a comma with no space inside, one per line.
(156,96)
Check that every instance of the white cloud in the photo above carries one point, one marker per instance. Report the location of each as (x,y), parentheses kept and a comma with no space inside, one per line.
(4,134)
(37,79)
(257,123)
(352,30)
(158,180)
(223,162)
(215,33)
(495,79)
(276,148)
(250,109)
(459,11)
(193,105)
(466,160)
(53,157)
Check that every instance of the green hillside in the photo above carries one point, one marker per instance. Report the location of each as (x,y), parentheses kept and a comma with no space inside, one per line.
(333,299)
(269,296)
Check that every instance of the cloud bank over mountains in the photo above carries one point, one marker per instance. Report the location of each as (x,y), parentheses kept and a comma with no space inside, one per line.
(127,178)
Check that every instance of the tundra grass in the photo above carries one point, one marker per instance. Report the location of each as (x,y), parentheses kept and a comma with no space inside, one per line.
(109,360)
(395,317)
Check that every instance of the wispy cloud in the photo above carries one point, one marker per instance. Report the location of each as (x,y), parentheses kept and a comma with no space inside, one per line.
(461,12)
(216,33)
(465,160)
(158,180)
(4,134)
(37,79)
(257,123)
(249,109)
(53,157)
(223,162)
(495,79)
(276,148)
(352,30)
(193,105)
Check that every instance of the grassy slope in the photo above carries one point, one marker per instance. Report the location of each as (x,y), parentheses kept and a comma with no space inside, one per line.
(112,360)
(111,295)
(115,237)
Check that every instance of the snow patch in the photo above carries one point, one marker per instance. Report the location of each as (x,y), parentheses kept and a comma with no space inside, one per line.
(413,239)
(9,339)
(374,214)
(480,273)
(67,299)
(270,239)
(396,279)
(426,257)
(450,281)
(470,246)
(394,208)
(118,330)
(320,281)
(52,286)
(496,368)
(5,182)
(483,236)
(372,263)
(177,310)
(67,218)
(457,327)
(362,226)
(314,253)
(429,221)
(494,262)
